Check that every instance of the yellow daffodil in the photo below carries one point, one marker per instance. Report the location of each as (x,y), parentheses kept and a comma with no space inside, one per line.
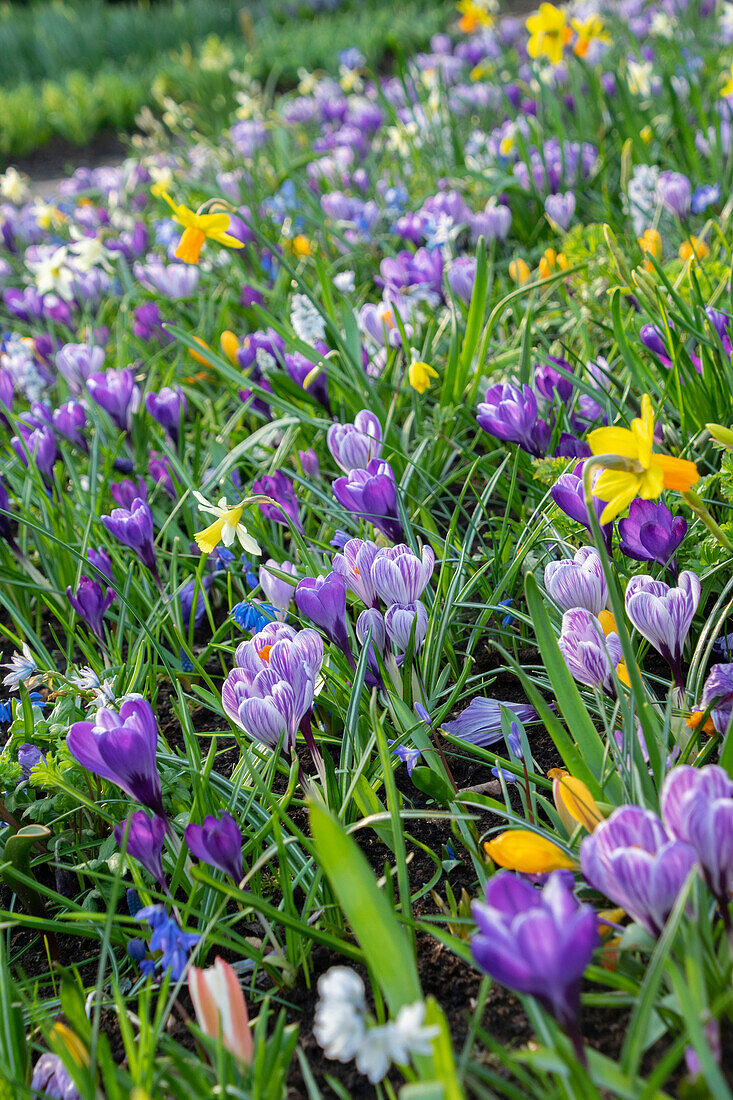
(573,801)
(552,262)
(727,88)
(226,527)
(646,134)
(588,31)
(653,473)
(519,271)
(474,16)
(528,852)
(420,375)
(197,228)
(548,32)
(650,244)
(229,345)
(694,247)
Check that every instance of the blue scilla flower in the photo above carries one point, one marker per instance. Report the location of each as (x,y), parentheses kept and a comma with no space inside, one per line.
(186,662)
(6,712)
(173,944)
(407,756)
(703,197)
(253,616)
(351,58)
(508,619)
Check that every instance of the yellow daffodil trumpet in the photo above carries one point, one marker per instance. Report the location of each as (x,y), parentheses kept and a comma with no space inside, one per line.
(630,468)
(198,227)
(528,852)
(420,374)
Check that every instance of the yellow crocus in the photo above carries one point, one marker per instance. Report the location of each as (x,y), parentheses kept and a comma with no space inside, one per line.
(727,88)
(653,472)
(197,228)
(552,262)
(301,246)
(229,345)
(573,801)
(694,247)
(420,374)
(528,852)
(519,271)
(588,30)
(650,244)
(548,32)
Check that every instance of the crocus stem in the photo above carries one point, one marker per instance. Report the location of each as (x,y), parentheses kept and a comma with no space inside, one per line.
(698,506)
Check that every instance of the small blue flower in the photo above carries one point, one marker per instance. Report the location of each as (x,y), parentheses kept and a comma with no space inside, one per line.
(253,616)
(134,905)
(703,197)
(407,756)
(6,712)
(351,58)
(186,662)
(508,619)
(173,944)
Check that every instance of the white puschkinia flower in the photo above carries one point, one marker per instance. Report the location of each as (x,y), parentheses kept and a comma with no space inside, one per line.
(14,186)
(17,358)
(22,668)
(342,1030)
(307,322)
(103,692)
(344,281)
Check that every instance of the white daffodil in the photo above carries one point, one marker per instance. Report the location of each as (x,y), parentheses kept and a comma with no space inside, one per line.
(52,274)
(88,252)
(226,527)
(14,186)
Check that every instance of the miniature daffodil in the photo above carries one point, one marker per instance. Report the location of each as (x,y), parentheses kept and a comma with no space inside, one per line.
(226,527)
(197,228)
(588,30)
(652,473)
(548,33)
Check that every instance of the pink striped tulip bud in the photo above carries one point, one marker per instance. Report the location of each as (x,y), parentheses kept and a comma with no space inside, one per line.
(221,1010)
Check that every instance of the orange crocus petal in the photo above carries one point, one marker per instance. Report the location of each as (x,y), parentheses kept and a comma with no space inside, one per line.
(190,245)
(679,474)
(195,355)
(528,852)
(265,653)
(607,621)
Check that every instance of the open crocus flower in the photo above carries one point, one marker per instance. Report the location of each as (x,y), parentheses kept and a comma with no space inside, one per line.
(221,1009)
(226,527)
(197,227)
(647,474)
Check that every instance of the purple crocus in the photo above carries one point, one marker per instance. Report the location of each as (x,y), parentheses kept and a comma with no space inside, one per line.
(480,722)
(145,842)
(122,748)
(77,362)
(401,620)
(126,491)
(38,445)
(277,591)
(68,420)
(568,495)
(101,561)
(560,209)
(218,842)
(323,601)
(399,576)
(133,527)
(354,446)
(372,494)
(51,1078)
(116,392)
(674,192)
(462,277)
(493,223)
(577,582)
(537,942)
(168,408)
(717,694)
(551,382)
(663,615)
(355,566)
(651,533)
(511,414)
(270,692)
(590,656)
(281,489)
(631,860)
(697,808)
(90,604)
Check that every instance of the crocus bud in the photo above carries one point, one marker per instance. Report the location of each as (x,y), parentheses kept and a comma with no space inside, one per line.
(721,434)
(221,1010)
(101,560)
(77,362)
(40,446)
(697,809)
(590,657)
(574,803)
(279,592)
(90,604)
(663,615)
(167,407)
(578,582)
(354,446)
(229,345)
(218,842)
(126,491)
(133,527)
(145,842)
(372,494)
(511,414)
(674,191)
(560,209)
(528,852)
(309,463)
(399,576)
(323,601)
(281,489)
(68,420)
(116,392)
(399,621)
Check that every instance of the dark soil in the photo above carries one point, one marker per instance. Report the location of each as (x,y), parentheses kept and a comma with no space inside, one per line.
(59,158)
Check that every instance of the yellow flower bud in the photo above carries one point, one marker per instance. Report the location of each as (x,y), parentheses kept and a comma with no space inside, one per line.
(607,621)
(519,271)
(721,434)
(528,852)
(575,803)
(229,345)
(420,374)
(694,247)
